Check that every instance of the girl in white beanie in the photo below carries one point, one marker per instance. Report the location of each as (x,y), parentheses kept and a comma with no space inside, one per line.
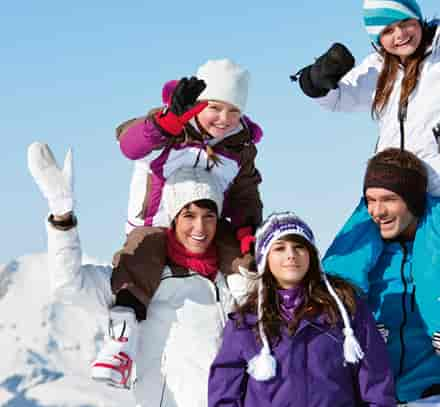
(398,83)
(201,125)
(302,338)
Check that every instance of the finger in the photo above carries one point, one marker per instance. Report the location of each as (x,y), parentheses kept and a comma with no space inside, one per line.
(68,168)
(40,157)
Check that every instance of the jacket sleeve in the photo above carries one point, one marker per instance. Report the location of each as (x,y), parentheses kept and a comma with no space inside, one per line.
(140,138)
(243,203)
(355,249)
(356,89)
(375,378)
(227,377)
(87,286)
(139,264)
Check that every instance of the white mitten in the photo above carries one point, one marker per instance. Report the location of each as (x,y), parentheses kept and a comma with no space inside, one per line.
(55,184)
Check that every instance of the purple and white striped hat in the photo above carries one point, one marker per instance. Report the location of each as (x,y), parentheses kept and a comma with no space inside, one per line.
(263,365)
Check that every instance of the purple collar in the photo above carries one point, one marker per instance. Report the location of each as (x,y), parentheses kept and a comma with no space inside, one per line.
(290,299)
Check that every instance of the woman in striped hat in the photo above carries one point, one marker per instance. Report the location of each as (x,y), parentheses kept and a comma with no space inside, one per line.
(398,82)
(301,338)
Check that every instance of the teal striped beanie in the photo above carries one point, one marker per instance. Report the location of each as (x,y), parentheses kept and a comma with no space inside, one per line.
(380,13)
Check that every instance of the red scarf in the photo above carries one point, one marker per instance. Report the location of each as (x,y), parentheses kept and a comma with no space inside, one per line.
(202,263)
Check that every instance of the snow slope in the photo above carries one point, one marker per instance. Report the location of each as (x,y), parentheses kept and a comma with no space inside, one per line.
(46,346)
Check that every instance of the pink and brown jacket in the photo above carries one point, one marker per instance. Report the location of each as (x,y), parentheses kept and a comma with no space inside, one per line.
(158,154)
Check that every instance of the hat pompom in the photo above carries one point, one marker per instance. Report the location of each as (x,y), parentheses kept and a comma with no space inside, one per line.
(352,350)
(263,366)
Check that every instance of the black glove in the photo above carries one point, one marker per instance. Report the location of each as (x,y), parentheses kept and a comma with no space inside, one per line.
(318,79)
(183,107)
(185,95)
(436,342)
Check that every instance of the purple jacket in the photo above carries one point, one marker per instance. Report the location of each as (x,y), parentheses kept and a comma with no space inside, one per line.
(310,370)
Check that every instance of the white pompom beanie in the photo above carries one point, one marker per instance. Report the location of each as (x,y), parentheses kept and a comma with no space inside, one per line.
(263,365)
(225,81)
(189,184)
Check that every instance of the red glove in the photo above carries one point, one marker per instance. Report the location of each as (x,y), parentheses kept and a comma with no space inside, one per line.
(183,106)
(247,240)
(173,123)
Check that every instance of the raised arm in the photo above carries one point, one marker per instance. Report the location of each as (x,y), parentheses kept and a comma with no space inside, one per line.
(71,283)
(336,84)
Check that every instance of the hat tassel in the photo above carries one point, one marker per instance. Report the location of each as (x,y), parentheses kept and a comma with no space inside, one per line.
(262,366)
(352,350)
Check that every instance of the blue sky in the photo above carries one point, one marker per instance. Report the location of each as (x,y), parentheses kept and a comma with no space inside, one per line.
(71,72)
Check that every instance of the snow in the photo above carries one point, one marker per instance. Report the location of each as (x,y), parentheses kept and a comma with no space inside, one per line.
(47,347)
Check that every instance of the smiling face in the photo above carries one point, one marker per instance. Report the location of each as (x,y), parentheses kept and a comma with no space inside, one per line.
(219,118)
(402,38)
(288,261)
(390,213)
(195,228)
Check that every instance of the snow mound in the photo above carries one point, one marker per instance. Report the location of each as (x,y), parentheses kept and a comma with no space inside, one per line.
(47,347)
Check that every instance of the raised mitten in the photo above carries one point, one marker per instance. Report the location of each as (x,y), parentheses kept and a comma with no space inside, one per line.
(55,184)
(183,106)
(318,79)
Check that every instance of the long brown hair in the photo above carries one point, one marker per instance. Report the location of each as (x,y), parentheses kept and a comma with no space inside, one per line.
(390,67)
(317,299)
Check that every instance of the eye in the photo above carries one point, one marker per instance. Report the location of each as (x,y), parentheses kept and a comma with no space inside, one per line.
(278,247)
(214,107)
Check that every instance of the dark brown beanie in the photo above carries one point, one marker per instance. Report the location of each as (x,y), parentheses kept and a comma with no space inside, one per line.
(409,184)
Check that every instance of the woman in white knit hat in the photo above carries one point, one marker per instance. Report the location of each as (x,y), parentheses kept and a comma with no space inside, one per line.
(202,124)
(301,338)
(398,83)
(179,339)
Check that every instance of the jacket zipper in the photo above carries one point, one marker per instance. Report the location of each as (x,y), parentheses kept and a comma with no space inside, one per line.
(219,307)
(404,320)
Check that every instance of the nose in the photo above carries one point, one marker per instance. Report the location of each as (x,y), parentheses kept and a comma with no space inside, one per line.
(398,32)
(198,225)
(224,115)
(376,209)
(290,252)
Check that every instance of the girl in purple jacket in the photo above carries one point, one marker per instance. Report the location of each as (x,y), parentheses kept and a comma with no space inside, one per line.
(301,338)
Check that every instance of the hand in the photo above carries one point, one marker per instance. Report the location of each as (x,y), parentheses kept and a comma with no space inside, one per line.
(55,184)
(436,342)
(183,106)
(247,240)
(318,79)
(384,332)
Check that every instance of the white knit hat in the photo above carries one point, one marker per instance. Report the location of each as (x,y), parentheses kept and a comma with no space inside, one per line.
(189,184)
(263,365)
(225,82)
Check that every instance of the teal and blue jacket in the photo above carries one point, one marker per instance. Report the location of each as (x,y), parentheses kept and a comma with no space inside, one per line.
(401,282)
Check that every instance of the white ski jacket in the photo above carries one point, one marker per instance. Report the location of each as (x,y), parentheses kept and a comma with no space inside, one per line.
(181,335)
(356,91)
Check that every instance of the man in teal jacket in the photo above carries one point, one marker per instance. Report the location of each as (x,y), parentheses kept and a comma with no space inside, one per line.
(390,249)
